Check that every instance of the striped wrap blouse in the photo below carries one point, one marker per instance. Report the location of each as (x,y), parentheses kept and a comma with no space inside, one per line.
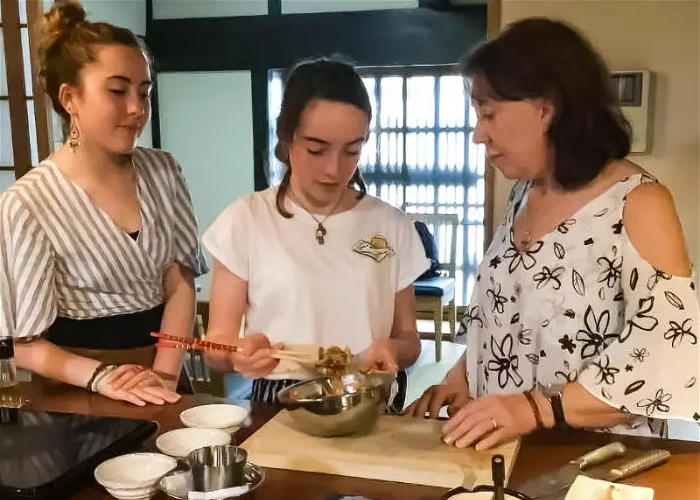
(61,256)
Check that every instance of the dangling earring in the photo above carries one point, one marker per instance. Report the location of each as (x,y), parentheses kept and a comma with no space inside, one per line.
(74,138)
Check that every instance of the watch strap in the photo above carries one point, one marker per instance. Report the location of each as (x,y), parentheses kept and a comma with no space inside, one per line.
(558,411)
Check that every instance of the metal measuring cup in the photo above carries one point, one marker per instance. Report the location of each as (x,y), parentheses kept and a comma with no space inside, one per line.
(217,467)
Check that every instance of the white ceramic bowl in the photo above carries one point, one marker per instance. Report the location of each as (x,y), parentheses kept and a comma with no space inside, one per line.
(134,476)
(179,443)
(216,416)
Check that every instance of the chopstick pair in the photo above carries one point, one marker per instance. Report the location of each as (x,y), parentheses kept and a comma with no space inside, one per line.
(307,355)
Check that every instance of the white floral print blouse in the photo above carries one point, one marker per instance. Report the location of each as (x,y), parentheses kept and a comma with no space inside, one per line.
(582,304)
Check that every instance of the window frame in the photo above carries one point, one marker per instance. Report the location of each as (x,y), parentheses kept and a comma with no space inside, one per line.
(17,97)
(433,177)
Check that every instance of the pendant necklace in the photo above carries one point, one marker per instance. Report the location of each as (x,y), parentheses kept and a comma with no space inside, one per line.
(320,228)
(526,241)
(526,238)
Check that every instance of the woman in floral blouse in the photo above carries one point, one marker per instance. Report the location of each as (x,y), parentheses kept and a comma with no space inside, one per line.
(584,313)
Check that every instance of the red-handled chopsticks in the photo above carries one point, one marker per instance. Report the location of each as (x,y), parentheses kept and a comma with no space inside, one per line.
(306,356)
(182,343)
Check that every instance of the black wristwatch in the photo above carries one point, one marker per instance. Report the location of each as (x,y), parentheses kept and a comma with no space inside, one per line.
(553,394)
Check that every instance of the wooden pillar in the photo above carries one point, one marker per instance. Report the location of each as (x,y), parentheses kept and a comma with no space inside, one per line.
(493,26)
(42,112)
(15,87)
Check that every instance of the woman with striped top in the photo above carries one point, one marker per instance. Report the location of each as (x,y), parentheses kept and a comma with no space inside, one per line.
(98,244)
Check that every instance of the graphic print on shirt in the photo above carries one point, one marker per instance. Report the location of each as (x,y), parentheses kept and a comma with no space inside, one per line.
(376,248)
(581,304)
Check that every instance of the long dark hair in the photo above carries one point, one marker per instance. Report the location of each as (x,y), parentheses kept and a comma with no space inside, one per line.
(321,78)
(543,58)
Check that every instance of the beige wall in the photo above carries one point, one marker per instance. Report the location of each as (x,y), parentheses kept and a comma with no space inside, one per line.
(662,36)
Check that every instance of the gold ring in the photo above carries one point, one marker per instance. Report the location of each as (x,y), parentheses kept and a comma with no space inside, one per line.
(494,422)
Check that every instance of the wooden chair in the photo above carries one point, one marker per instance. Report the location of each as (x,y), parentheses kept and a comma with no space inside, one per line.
(435,296)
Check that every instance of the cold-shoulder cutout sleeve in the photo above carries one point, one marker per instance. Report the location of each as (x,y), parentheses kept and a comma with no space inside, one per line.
(651,368)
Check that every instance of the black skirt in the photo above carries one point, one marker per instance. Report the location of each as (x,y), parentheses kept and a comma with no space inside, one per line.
(266,390)
(124,331)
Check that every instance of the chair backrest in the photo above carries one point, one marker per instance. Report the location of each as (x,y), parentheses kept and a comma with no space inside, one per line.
(444,230)
(195,365)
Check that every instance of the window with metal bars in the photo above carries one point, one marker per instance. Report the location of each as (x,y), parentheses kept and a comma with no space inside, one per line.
(420,155)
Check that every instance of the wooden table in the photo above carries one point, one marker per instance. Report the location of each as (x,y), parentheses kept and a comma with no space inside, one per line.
(541,452)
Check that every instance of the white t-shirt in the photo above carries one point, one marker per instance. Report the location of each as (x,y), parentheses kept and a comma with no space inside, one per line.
(300,292)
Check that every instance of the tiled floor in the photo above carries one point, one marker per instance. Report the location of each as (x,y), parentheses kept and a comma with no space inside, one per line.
(427,372)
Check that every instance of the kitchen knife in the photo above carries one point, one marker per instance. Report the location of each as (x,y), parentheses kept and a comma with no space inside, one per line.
(647,461)
(562,478)
(628,469)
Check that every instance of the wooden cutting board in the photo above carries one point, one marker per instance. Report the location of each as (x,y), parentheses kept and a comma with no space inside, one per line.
(399,449)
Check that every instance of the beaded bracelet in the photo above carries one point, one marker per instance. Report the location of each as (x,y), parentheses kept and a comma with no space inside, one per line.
(100,373)
(103,374)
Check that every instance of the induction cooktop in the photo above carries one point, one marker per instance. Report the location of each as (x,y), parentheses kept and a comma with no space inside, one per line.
(49,455)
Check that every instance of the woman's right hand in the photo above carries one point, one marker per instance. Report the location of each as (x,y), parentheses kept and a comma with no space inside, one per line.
(254,358)
(454,395)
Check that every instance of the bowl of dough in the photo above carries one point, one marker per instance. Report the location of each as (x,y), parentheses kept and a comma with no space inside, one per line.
(337,405)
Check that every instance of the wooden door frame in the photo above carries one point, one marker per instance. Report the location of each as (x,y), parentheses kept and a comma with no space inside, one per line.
(16,90)
(493,27)
(17,99)
(42,112)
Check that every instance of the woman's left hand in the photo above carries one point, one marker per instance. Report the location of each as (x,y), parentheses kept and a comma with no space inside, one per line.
(381,356)
(490,420)
(126,377)
(138,385)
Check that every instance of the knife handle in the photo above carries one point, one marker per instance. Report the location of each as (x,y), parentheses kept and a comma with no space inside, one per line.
(601,455)
(646,461)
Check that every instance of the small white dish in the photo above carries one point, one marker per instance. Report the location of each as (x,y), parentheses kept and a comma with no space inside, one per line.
(134,476)
(179,443)
(215,416)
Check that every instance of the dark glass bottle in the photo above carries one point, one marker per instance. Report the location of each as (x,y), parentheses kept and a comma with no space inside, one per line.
(10,395)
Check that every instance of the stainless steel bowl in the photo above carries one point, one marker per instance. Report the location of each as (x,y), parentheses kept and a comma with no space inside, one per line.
(178,484)
(337,406)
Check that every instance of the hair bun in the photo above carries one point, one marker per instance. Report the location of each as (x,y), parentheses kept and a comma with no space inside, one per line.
(64,16)
(56,25)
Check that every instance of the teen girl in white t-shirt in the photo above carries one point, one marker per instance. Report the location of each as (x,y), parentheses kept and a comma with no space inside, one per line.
(315,261)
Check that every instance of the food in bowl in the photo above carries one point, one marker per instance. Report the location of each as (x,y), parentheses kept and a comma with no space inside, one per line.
(335,359)
(337,405)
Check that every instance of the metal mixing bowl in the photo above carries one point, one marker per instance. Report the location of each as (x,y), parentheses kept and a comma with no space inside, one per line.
(337,405)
